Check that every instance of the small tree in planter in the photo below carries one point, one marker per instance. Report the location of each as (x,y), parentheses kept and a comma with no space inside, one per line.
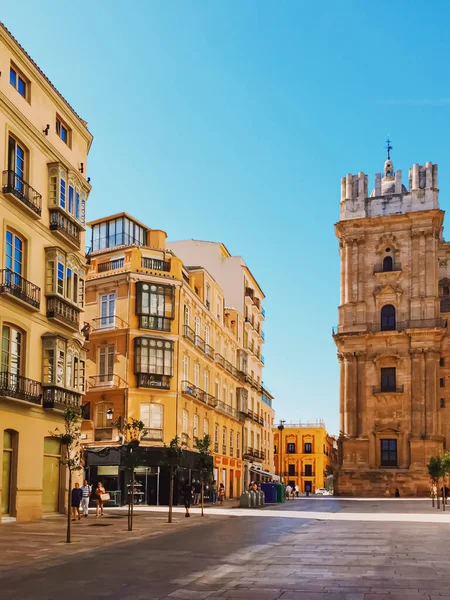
(204,464)
(72,455)
(131,432)
(174,453)
(436,470)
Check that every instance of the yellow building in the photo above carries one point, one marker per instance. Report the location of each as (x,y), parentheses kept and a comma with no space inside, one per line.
(304,455)
(163,348)
(42,272)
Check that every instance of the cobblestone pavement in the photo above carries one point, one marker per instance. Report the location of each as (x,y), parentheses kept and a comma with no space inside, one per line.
(265,557)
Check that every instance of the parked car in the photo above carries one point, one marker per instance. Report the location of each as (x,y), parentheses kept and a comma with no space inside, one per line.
(322,492)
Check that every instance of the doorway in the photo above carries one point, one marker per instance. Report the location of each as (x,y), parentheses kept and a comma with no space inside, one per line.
(231,483)
(51,479)
(9,472)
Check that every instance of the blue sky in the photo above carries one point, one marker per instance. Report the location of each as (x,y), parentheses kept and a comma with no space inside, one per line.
(234,121)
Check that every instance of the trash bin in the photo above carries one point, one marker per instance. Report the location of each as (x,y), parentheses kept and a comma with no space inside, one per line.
(270,492)
(252,498)
(244,501)
(261,497)
(280,491)
(257,498)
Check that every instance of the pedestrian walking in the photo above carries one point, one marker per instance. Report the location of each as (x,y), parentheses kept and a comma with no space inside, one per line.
(86,493)
(77,494)
(187,495)
(214,492)
(197,491)
(397,492)
(297,490)
(307,490)
(288,491)
(221,493)
(98,498)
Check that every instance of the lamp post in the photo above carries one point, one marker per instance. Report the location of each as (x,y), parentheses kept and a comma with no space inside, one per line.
(109,415)
(280,429)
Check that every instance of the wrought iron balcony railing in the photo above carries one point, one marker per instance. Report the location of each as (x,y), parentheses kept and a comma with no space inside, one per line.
(21,388)
(17,286)
(106,381)
(62,311)
(60,223)
(154,435)
(106,323)
(59,398)
(111,265)
(153,380)
(228,410)
(190,389)
(18,187)
(155,264)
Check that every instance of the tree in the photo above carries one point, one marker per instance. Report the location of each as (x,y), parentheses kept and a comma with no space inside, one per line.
(131,432)
(204,464)
(436,470)
(72,455)
(174,453)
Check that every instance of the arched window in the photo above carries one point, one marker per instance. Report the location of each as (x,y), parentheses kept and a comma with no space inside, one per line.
(388,318)
(387,263)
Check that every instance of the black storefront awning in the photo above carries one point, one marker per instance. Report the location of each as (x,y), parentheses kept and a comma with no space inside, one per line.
(148,456)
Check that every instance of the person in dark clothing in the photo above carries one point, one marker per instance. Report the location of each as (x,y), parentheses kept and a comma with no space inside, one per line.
(77,494)
(397,493)
(187,494)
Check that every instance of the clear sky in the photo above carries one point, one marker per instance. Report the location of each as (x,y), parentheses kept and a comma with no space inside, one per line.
(234,121)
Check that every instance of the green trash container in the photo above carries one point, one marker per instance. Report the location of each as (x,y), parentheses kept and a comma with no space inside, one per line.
(281,493)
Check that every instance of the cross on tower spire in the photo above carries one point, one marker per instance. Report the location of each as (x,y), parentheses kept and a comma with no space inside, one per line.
(388,147)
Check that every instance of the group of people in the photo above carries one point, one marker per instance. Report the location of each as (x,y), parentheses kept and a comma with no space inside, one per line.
(292,492)
(81,496)
(193,491)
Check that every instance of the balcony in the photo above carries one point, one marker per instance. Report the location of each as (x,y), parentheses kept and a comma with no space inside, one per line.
(249,293)
(189,389)
(287,474)
(105,382)
(263,312)
(110,323)
(388,389)
(15,285)
(67,230)
(364,328)
(15,186)
(253,453)
(155,264)
(305,474)
(380,268)
(153,380)
(63,312)
(209,351)
(220,360)
(110,265)
(227,410)
(59,398)
(20,388)
(153,435)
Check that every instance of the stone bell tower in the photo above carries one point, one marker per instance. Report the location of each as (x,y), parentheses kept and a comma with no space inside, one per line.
(391,337)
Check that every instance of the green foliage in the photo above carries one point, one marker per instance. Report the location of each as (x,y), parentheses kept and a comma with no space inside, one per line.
(131,431)
(203,461)
(174,453)
(436,468)
(70,439)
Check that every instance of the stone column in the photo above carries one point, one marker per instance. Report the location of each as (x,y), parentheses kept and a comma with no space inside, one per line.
(431,375)
(417,392)
(343,272)
(414,264)
(341,394)
(361,400)
(355,270)
(350,394)
(348,272)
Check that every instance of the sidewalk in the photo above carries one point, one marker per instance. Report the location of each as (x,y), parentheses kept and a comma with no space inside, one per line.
(34,542)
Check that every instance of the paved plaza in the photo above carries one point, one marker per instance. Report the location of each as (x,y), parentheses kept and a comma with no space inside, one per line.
(308,549)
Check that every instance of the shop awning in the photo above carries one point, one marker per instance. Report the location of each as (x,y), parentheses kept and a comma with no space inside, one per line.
(264,473)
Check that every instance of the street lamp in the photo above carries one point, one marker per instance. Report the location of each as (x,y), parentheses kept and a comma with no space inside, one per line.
(280,429)
(109,414)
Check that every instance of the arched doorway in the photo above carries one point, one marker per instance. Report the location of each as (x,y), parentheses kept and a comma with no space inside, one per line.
(51,481)
(9,472)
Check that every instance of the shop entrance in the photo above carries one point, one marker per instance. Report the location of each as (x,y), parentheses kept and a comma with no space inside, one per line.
(231,483)
(146,489)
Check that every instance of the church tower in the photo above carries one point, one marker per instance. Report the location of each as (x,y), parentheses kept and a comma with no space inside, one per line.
(391,337)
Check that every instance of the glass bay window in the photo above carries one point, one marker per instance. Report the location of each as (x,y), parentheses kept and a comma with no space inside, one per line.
(66,193)
(155,305)
(65,276)
(64,364)
(153,362)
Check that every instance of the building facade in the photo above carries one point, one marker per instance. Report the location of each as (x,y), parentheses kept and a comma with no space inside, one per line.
(392,337)
(243,302)
(163,348)
(42,206)
(304,455)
